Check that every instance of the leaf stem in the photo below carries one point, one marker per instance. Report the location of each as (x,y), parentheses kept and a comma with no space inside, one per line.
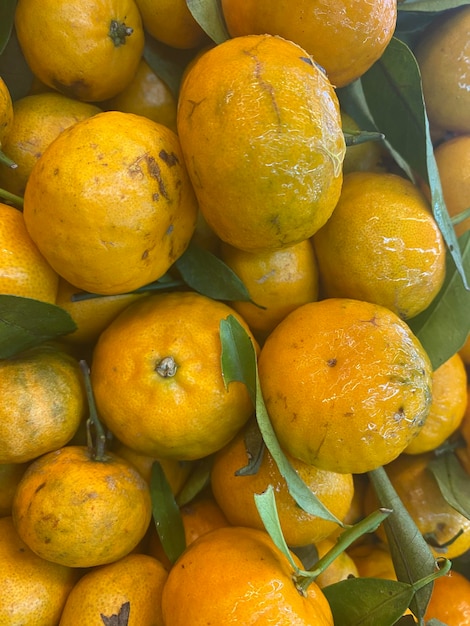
(367,525)
(11,197)
(96,448)
(5,160)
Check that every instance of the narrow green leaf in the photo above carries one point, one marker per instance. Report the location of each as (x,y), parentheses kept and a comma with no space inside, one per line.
(198,479)
(411,25)
(412,557)
(166,514)
(430,5)
(267,509)
(239,363)
(444,326)
(25,323)
(393,91)
(208,14)
(255,448)
(7,16)
(368,601)
(453,481)
(167,63)
(209,275)
(356,137)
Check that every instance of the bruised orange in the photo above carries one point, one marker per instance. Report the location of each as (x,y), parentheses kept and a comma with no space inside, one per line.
(346,384)
(88,50)
(262,103)
(157,377)
(236,575)
(73,509)
(344,36)
(43,403)
(109,203)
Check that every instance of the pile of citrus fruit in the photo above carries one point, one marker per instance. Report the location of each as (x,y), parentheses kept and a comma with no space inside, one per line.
(234,330)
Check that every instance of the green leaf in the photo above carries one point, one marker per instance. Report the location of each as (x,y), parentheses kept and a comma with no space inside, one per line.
(267,509)
(208,14)
(239,364)
(412,557)
(204,272)
(168,63)
(368,601)
(435,622)
(430,5)
(444,326)
(25,323)
(355,137)
(166,514)
(453,481)
(7,17)
(198,479)
(255,447)
(392,88)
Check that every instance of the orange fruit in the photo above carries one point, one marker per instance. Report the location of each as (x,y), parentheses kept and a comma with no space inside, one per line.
(449,401)
(262,103)
(131,586)
(453,163)
(382,231)
(278,281)
(10,476)
(442,55)
(366,376)
(236,575)
(342,568)
(43,403)
(92,314)
(446,531)
(361,157)
(171,22)
(113,213)
(157,378)
(148,95)
(450,600)
(73,509)
(373,560)
(6,111)
(23,270)
(344,37)
(235,493)
(38,119)
(33,591)
(88,50)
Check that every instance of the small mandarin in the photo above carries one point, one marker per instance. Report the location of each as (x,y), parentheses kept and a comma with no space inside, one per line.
(449,402)
(23,269)
(278,281)
(157,377)
(33,590)
(262,102)
(342,568)
(236,575)
(381,245)
(73,509)
(235,493)
(450,600)
(130,587)
(366,376)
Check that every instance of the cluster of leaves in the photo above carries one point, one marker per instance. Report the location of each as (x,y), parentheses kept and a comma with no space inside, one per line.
(387,102)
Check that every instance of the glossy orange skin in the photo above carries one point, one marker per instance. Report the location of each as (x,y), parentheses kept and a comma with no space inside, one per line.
(344,37)
(450,600)
(236,575)
(68,45)
(270,111)
(366,376)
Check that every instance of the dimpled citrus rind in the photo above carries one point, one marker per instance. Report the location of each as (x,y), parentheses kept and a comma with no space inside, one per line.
(346,384)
